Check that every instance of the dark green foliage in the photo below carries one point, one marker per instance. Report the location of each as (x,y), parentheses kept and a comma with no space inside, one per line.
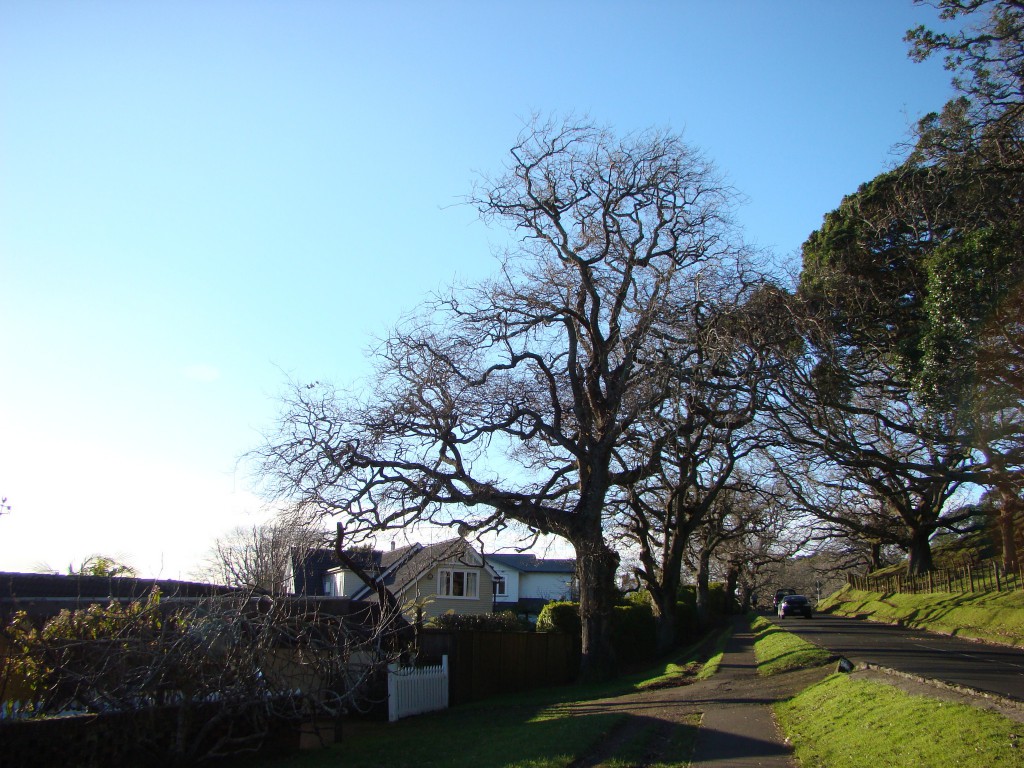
(633,632)
(633,627)
(506,621)
(687,626)
(560,617)
(718,603)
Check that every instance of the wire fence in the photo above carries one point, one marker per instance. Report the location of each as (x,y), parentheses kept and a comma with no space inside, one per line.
(970,577)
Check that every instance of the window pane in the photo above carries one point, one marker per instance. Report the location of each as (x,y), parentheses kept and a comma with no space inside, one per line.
(458,584)
(471,585)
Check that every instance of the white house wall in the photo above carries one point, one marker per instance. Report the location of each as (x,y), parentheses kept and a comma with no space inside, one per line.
(511,576)
(549,586)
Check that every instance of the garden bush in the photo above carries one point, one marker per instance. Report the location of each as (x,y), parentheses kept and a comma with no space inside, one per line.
(633,629)
(561,617)
(633,632)
(505,621)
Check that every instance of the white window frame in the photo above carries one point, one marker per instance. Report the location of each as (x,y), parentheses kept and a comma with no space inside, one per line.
(501,586)
(447,582)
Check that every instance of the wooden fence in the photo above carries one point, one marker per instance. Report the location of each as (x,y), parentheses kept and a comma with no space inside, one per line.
(483,664)
(414,690)
(970,577)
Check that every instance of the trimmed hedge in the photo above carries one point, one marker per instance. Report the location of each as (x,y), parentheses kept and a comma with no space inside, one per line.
(633,627)
(505,621)
(634,632)
(561,617)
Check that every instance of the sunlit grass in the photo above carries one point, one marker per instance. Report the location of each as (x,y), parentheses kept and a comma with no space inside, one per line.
(847,723)
(711,665)
(993,616)
(777,650)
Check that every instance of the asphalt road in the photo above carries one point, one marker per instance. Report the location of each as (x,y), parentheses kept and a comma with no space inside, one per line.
(989,668)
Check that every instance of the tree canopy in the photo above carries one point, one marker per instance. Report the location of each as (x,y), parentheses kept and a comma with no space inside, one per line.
(505,402)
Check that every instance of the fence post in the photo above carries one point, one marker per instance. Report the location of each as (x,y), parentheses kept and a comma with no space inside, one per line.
(995,570)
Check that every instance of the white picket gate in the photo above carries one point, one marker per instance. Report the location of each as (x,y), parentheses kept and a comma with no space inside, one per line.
(414,690)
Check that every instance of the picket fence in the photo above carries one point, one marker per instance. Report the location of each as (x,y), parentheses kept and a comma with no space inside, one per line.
(414,690)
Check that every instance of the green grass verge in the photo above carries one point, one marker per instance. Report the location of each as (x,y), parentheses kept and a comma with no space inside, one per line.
(847,723)
(996,617)
(686,664)
(711,665)
(537,729)
(777,650)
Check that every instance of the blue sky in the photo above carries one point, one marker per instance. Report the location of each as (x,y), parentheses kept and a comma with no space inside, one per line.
(199,200)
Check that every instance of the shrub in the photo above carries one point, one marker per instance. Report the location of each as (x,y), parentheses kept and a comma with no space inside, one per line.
(506,621)
(718,604)
(561,617)
(633,627)
(633,632)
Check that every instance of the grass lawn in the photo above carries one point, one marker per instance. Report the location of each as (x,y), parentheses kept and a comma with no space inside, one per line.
(538,729)
(847,723)
(777,650)
(993,616)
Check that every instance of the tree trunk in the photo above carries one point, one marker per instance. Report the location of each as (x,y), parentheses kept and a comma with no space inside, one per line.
(731,579)
(664,608)
(919,557)
(876,556)
(703,592)
(1008,533)
(745,594)
(1009,501)
(595,569)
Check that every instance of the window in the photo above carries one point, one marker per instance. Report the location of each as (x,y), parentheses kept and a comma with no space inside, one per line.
(499,586)
(451,583)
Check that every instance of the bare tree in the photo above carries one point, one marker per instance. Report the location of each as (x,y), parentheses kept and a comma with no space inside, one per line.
(743,511)
(507,400)
(772,534)
(258,557)
(852,423)
(719,351)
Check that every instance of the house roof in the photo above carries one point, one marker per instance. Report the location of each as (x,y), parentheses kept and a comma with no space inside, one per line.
(410,563)
(528,563)
(309,567)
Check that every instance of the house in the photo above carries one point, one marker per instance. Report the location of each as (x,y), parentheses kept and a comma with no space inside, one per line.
(526,583)
(434,579)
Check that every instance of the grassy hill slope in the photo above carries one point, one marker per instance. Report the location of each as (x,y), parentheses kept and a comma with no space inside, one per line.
(996,617)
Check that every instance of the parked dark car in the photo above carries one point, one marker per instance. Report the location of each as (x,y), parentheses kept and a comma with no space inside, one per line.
(793,605)
(779,594)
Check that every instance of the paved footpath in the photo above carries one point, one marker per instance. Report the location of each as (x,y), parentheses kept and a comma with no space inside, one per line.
(738,730)
(734,706)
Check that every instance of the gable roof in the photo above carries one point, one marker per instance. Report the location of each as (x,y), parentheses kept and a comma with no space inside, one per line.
(528,563)
(413,561)
(309,567)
